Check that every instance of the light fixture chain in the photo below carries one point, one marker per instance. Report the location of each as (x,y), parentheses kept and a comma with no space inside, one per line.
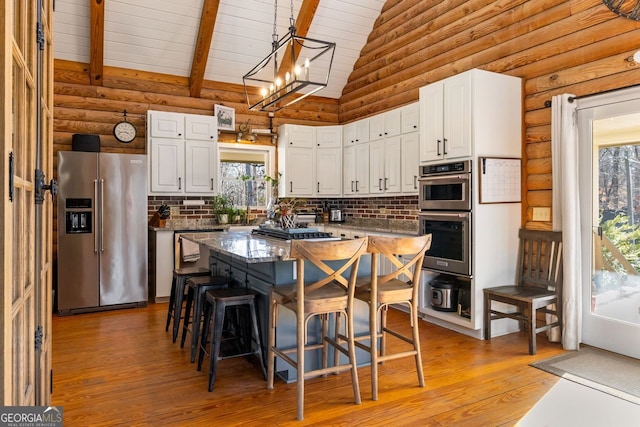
(274,36)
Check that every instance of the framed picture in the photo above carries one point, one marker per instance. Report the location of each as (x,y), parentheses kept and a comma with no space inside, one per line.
(226,117)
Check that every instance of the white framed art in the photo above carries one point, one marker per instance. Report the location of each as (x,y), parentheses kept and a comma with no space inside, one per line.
(226,117)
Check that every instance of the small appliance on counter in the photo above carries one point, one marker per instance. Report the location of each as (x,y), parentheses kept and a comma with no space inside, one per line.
(335,215)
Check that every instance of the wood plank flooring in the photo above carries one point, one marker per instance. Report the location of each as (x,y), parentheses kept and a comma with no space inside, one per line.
(121,368)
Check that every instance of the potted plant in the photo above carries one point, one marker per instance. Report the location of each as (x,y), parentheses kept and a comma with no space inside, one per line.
(221,205)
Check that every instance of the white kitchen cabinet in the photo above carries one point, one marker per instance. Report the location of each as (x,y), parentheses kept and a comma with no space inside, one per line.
(356,132)
(297,172)
(297,136)
(468,115)
(385,125)
(166,165)
(198,127)
(410,118)
(182,152)
(445,113)
(385,166)
(200,167)
(410,162)
(328,171)
(328,137)
(356,170)
(163,124)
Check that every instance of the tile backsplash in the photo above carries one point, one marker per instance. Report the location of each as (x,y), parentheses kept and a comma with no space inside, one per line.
(397,208)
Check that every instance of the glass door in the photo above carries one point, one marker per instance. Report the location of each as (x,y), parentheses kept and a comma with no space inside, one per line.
(610,179)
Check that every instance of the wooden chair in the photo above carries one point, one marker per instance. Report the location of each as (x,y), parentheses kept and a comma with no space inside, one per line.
(397,287)
(538,286)
(333,293)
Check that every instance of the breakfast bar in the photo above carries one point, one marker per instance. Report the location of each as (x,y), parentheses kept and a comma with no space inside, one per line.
(258,263)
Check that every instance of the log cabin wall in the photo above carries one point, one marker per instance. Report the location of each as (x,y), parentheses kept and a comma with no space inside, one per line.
(573,46)
(80,107)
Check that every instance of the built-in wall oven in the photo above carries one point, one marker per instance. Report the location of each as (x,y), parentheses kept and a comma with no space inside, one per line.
(445,212)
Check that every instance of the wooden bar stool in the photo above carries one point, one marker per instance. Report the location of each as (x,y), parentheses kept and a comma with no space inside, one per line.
(196,288)
(398,287)
(176,297)
(245,336)
(333,293)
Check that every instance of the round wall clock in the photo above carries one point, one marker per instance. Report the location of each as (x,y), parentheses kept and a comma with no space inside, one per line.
(124,131)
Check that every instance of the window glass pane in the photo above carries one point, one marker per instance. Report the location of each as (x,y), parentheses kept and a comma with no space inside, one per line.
(242,177)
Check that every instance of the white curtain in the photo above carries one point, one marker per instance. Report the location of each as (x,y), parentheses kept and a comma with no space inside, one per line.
(566,212)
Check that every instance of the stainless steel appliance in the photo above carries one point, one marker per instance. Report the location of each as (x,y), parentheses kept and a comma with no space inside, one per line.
(450,250)
(443,293)
(335,215)
(102,231)
(446,186)
(445,213)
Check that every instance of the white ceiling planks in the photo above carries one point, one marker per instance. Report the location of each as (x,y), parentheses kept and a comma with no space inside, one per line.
(159,35)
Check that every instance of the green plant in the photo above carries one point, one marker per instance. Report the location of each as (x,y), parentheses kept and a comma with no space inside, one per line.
(220,204)
(626,238)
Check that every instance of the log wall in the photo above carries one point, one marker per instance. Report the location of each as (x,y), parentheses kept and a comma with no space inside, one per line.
(572,46)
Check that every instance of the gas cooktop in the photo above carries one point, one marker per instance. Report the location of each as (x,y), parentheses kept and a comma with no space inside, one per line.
(294,233)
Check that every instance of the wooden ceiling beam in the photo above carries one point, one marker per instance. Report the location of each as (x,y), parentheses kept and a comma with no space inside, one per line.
(303,23)
(203,44)
(96,52)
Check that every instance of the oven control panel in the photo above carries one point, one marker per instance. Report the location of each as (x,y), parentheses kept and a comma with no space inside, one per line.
(442,168)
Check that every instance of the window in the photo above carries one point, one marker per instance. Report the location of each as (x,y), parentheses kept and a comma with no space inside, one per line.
(242,173)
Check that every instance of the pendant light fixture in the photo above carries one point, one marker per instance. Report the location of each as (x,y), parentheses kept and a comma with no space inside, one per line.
(296,68)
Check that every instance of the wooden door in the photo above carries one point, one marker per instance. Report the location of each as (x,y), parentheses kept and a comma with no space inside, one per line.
(26,243)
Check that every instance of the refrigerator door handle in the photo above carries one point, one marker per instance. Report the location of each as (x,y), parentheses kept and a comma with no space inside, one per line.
(95,232)
(101,215)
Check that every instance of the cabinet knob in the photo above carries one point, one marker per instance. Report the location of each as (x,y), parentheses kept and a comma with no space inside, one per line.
(415,126)
(211,137)
(179,134)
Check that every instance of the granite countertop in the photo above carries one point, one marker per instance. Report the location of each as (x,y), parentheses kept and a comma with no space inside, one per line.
(243,246)
(382,226)
(179,226)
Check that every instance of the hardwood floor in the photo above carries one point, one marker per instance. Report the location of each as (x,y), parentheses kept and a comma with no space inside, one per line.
(121,368)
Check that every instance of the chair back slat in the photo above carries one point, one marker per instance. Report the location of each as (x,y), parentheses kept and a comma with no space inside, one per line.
(540,259)
(391,247)
(319,253)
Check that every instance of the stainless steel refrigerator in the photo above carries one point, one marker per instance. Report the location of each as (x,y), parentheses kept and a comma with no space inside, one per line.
(102,231)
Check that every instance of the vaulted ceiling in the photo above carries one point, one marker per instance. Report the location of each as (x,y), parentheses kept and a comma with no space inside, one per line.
(217,40)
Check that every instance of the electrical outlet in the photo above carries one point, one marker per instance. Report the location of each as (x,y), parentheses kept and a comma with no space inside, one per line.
(542,214)
(175,210)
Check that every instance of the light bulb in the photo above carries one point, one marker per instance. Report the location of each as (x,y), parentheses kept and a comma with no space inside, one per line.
(263,92)
(278,83)
(287,76)
(296,70)
(306,69)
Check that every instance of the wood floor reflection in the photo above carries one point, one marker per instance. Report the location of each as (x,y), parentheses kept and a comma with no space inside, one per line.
(121,368)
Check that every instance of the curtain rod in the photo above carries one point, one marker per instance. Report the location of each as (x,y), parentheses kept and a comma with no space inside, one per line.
(547,103)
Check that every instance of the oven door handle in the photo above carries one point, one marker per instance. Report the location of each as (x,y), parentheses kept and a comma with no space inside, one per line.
(444,215)
(443,178)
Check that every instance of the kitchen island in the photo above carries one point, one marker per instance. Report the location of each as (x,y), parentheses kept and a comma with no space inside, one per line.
(259,263)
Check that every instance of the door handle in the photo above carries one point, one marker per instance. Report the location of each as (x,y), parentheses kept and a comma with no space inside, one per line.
(179,183)
(101,215)
(385,184)
(211,184)
(380,184)
(95,232)
(318,187)
(438,147)
(291,186)
(357,186)
(352,186)
(444,146)
(415,182)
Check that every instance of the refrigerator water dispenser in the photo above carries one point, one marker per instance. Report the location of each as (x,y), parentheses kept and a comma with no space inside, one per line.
(78,222)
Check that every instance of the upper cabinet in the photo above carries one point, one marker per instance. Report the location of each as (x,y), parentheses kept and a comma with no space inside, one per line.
(410,118)
(182,153)
(469,114)
(385,125)
(356,132)
(310,161)
(445,126)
